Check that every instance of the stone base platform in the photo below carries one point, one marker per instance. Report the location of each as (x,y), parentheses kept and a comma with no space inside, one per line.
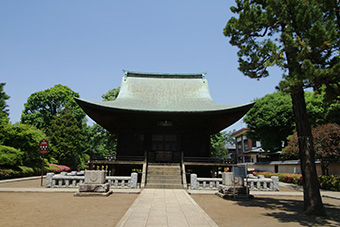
(98,188)
(236,197)
(231,190)
(87,194)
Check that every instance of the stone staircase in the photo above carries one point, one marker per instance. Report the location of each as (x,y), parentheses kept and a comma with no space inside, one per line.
(164,176)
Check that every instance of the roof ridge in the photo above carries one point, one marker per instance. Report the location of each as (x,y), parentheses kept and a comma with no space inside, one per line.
(165,75)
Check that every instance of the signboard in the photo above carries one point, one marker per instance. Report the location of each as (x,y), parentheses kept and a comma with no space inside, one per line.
(43,146)
(240,171)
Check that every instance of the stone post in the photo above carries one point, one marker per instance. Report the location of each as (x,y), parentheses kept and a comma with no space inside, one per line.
(275,180)
(193,181)
(133,182)
(49,181)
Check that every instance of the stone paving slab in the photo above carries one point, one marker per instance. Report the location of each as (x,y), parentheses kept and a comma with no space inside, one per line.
(165,207)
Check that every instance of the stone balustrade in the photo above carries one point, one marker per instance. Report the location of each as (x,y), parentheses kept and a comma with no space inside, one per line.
(74,179)
(199,183)
(263,184)
(255,183)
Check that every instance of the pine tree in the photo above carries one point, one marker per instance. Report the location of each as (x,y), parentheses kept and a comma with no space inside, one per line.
(302,38)
(64,136)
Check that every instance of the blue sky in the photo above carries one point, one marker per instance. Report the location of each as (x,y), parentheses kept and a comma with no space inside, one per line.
(86,44)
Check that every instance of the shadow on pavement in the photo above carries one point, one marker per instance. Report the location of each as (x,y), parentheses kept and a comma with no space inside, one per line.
(291,210)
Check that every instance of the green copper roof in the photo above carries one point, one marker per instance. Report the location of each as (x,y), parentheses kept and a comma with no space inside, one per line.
(155,92)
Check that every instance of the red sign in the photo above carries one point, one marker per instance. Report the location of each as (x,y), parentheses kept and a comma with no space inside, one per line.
(43,146)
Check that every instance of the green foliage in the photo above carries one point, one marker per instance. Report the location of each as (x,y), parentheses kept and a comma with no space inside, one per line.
(42,106)
(100,141)
(111,95)
(271,120)
(5,127)
(217,142)
(330,182)
(302,38)
(319,111)
(3,98)
(25,138)
(299,36)
(64,137)
(25,171)
(10,156)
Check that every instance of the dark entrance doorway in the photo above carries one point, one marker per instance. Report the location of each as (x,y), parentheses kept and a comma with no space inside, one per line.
(164,148)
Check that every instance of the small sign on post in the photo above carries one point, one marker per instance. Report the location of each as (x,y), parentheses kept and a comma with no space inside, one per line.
(43,147)
(239,171)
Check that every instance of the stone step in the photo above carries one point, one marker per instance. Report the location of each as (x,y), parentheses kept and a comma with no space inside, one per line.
(175,181)
(164,186)
(164,177)
(163,164)
(164,168)
(163,173)
(172,168)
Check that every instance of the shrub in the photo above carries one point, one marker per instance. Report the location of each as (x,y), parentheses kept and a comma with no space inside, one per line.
(20,171)
(10,156)
(25,171)
(57,168)
(330,182)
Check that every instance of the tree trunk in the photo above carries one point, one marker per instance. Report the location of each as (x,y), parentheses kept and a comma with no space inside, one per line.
(323,168)
(311,193)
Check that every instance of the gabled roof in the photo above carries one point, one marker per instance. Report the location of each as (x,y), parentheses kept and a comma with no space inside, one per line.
(240,132)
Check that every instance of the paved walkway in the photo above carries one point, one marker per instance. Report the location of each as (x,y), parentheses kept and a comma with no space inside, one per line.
(165,207)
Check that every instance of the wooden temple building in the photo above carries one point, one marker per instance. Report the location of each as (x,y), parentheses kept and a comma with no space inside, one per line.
(163,119)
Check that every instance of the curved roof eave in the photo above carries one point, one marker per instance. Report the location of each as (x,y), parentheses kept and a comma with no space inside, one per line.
(213,109)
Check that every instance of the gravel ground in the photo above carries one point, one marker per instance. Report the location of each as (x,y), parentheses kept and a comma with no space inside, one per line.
(63,209)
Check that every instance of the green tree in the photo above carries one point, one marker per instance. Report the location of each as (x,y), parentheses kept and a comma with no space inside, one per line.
(64,137)
(302,38)
(271,120)
(99,140)
(20,141)
(217,143)
(3,98)
(111,95)
(42,106)
(26,138)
